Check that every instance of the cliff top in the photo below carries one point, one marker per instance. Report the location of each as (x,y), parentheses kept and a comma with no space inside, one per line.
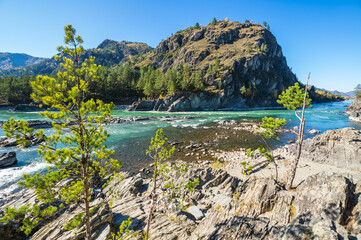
(200,47)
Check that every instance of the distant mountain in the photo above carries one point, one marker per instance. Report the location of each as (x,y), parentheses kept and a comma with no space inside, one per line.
(14,60)
(108,53)
(344,94)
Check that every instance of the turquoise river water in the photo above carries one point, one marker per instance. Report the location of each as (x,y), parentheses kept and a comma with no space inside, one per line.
(130,140)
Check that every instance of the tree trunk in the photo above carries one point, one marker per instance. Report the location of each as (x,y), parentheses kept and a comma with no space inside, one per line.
(86,202)
(299,141)
(153,200)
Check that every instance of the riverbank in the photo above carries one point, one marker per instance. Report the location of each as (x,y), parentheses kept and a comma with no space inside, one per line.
(230,205)
(184,129)
(354,111)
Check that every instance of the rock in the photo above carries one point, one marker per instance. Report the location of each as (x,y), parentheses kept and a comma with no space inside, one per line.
(200,47)
(332,146)
(12,142)
(196,212)
(36,124)
(142,106)
(27,108)
(127,119)
(354,111)
(227,208)
(100,221)
(228,122)
(323,206)
(313,131)
(7,159)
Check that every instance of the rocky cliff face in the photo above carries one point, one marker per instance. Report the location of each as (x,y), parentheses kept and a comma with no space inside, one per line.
(354,111)
(252,69)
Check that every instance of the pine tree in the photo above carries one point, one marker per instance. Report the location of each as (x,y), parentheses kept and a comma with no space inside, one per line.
(358,91)
(295,98)
(214,21)
(76,156)
(198,81)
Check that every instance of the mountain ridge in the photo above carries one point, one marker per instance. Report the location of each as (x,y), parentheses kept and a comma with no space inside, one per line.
(12,60)
(108,53)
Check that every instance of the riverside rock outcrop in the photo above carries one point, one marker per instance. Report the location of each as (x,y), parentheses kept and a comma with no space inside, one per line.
(354,111)
(12,141)
(325,205)
(340,148)
(7,159)
(248,76)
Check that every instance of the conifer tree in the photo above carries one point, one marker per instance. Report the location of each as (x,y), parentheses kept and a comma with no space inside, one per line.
(77,157)
(295,98)
(358,92)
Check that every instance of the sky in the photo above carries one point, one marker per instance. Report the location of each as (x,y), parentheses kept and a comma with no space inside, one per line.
(320,36)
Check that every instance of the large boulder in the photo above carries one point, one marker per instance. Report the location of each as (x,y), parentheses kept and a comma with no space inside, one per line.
(354,111)
(340,147)
(7,159)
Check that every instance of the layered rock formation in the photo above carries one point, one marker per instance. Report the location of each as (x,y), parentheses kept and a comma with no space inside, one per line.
(340,148)
(252,69)
(325,205)
(354,111)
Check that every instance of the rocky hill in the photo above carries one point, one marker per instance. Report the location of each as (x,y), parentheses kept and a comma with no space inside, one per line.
(14,60)
(242,64)
(108,53)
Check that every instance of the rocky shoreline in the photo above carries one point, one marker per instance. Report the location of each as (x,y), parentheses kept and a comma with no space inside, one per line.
(229,205)
(354,111)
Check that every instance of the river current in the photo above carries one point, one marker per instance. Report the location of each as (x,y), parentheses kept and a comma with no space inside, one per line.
(130,140)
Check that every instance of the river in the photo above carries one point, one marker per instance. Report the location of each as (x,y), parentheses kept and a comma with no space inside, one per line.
(130,140)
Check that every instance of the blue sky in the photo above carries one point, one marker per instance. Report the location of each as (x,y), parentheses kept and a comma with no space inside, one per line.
(321,36)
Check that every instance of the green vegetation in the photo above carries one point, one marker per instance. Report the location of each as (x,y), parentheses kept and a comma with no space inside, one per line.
(108,53)
(264,47)
(77,157)
(266,25)
(295,98)
(116,83)
(124,232)
(358,91)
(268,130)
(324,96)
(16,90)
(173,192)
(214,21)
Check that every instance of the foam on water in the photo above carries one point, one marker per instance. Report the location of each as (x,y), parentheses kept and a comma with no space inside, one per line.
(322,117)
